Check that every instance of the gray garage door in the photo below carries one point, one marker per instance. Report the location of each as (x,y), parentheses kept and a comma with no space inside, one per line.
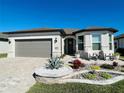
(33,48)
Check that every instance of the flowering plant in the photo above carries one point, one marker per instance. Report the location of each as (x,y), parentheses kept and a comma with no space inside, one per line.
(76,64)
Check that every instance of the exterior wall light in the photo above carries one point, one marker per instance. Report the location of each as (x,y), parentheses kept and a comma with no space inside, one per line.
(9,41)
(55,41)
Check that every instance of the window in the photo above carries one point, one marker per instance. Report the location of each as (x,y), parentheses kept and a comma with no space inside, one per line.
(110,42)
(96,42)
(80,42)
(115,45)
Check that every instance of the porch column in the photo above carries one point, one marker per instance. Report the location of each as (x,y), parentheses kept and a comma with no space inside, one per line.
(113,48)
(76,43)
(63,44)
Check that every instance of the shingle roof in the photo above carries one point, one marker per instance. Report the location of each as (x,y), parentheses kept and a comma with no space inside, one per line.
(96,29)
(69,31)
(64,31)
(3,35)
(36,30)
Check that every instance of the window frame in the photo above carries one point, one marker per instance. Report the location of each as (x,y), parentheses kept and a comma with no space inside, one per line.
(81,43)
(99,43)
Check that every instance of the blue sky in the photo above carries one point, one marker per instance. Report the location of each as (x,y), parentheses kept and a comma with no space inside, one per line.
(28,14)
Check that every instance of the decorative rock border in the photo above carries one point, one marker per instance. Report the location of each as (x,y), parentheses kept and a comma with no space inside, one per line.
(53,73)
(65,79)
(47,80)
(102,82)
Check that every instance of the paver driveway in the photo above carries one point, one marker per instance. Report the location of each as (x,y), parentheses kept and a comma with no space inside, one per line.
(16,73)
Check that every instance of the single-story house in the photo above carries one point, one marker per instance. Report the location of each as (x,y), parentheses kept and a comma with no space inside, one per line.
(56,42)
(119,41)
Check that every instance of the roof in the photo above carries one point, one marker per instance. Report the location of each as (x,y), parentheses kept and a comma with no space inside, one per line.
(36,30)
(64,31)
(96,29)
(69,31)
(119,36)
(3,35)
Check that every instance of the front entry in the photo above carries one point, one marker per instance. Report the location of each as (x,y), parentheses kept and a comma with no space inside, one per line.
(69,46)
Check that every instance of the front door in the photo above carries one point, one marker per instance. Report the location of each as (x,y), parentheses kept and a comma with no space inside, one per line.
(70,46)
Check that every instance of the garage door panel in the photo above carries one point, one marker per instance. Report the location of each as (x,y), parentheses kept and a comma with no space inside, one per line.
(33,48)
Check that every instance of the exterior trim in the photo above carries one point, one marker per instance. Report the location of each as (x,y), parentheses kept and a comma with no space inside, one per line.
(36,31)
(97,29)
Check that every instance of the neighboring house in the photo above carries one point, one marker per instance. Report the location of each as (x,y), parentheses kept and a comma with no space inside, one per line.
(119,41)
(3,43)
(55,42)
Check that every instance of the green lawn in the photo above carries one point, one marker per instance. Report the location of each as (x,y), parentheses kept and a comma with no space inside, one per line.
(77,88)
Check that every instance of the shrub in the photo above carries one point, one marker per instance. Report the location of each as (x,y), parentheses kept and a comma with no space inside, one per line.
(105,75)
(115,64)
(122,70)
(89,76)
(95,67)
(3,55)
(116,54)
(76,64)
(107,66)
(54,63)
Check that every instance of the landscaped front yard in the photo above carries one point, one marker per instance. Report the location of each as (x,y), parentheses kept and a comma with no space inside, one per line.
(94,74)
(77,88)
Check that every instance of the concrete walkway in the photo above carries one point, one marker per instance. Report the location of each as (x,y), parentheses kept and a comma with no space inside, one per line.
(16,74)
